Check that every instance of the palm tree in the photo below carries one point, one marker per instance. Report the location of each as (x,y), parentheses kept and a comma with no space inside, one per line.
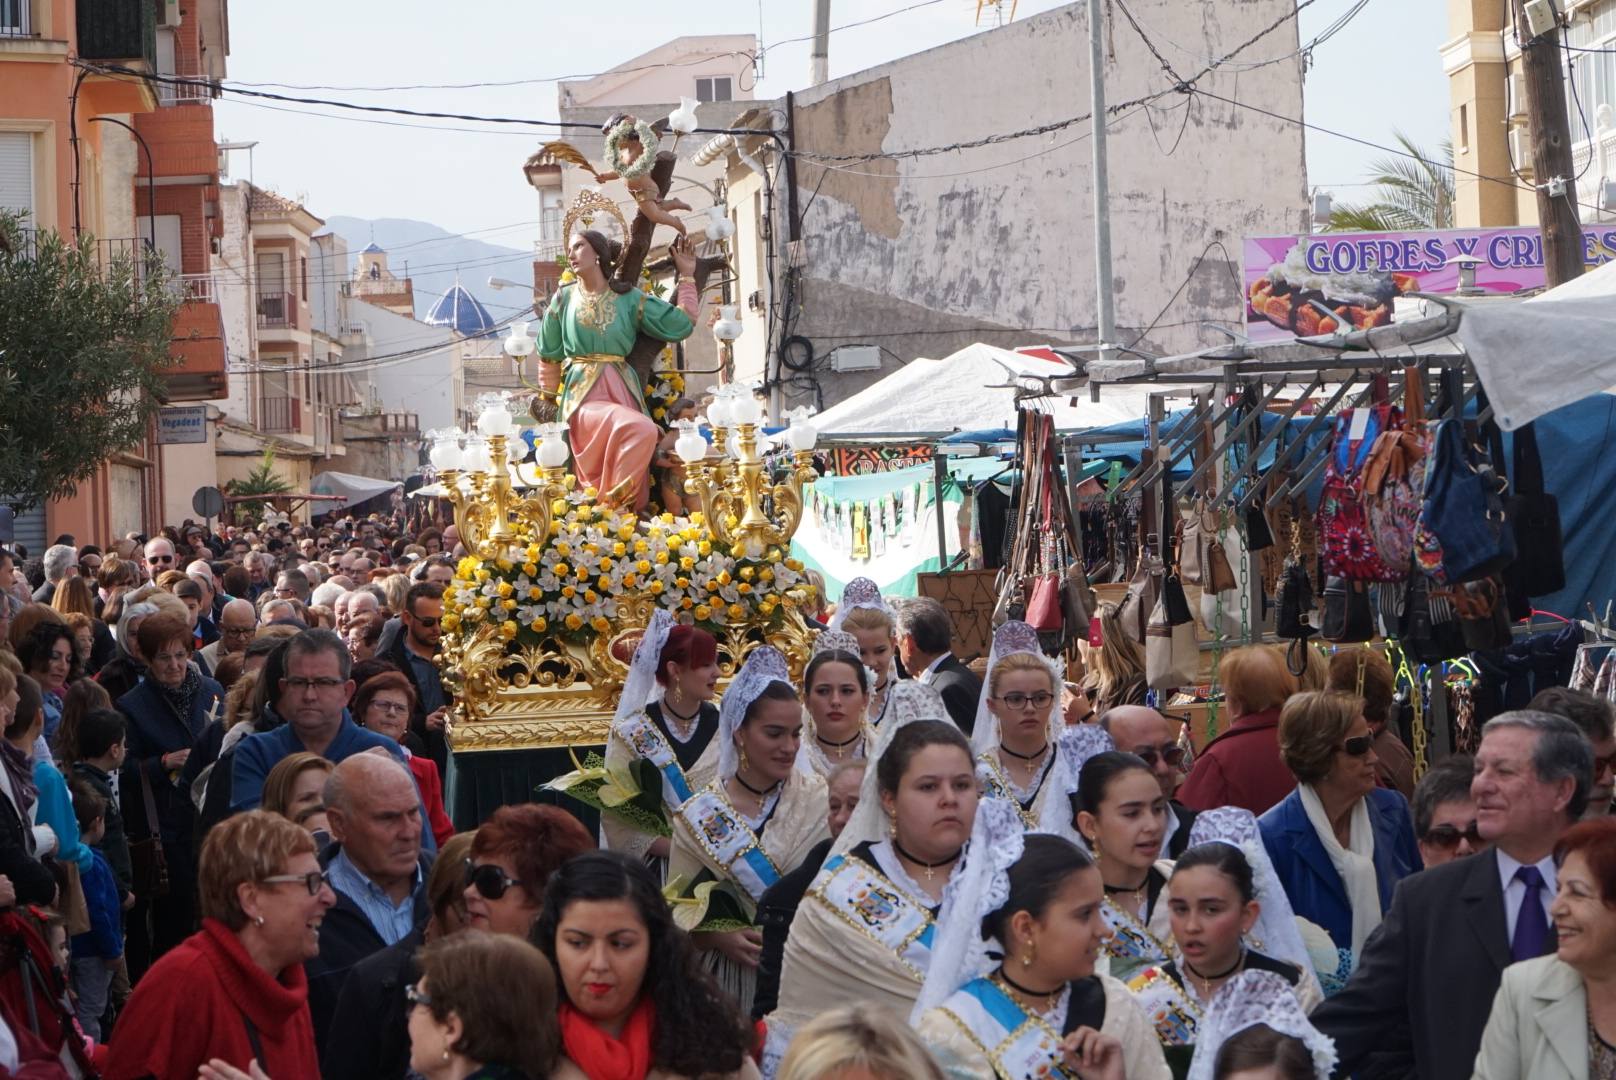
(263,480)
(1416,192)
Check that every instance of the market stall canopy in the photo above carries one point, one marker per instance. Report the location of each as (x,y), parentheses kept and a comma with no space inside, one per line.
(350,488)
(1552,350)
(928,399)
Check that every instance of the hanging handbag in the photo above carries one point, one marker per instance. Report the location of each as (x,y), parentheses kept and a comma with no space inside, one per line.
(1534,515)
(1172,656)
(1144,590)
(1394,481)
(1483,613)
(1430,631)
(1349,551)
(148,864)
(1045,612)
(1348,616)
(1464,509)
(1295,603)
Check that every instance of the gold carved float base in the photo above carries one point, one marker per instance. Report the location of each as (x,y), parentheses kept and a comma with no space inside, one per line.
(565,695)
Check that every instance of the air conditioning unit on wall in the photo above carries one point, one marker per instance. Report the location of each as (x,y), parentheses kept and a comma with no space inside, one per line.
(851,358)
(168,13)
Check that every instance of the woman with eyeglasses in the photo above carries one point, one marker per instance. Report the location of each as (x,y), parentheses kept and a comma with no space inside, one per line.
(50,656)
(472,1010)
(234,992)
(1018,721)
(75,597)
(636,1001)
(514,853)
(167,712)
(383,703)
(1340,843)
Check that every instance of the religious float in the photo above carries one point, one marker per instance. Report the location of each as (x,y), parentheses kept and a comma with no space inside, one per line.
(568,556)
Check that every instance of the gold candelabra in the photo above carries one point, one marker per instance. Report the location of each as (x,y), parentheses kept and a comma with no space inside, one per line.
(489,514)
(764,514)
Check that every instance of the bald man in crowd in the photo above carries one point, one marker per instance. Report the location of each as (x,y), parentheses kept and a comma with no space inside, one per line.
(1138,729)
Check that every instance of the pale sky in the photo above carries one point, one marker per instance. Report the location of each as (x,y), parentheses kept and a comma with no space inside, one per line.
(1382,72)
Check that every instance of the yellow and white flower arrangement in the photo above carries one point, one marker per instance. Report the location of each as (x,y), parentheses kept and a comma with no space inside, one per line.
(569,587)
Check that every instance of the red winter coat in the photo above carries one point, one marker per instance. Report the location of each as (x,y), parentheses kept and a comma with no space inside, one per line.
(195,1004)
(1241,767)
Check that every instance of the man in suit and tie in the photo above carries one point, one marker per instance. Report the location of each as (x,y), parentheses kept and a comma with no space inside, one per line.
(926,647)
(1419,1000)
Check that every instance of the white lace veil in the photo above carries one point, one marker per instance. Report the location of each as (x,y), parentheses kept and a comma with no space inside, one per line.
(982,885)
(1013,637)
(1077,743)
(1249,999)
(861,592)
(640,685)
(764,666)
(911,701)
(1275,931)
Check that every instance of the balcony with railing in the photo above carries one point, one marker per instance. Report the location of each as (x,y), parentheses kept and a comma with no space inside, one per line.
(280,415)
(277,311)
(200,372)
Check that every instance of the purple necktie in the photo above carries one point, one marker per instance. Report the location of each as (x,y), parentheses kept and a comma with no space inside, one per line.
(1531,925)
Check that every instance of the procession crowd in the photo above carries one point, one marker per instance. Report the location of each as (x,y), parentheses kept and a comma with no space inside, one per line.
(225,851)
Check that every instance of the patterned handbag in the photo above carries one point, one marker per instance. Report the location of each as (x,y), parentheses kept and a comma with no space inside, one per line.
(1394,482)
(1349,550)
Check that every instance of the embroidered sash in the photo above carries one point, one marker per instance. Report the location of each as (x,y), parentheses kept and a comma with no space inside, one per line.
(872,905)
(729,842)
(1017,1043)
(1171,1009)
(1130,938)
(644,740)
(1000,786)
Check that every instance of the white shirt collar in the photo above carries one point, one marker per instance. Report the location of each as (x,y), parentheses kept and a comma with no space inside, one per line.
(931,669)
(1507,867)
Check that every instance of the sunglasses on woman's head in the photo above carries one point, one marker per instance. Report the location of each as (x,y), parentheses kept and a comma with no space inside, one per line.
(1447,837)
(491,881)
(1359,745)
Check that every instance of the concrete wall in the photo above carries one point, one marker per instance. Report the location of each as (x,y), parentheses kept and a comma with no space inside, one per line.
(423,384)
(924,255)
(233,273)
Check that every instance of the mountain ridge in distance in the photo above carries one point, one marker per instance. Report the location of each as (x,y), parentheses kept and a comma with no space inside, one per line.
(431,256)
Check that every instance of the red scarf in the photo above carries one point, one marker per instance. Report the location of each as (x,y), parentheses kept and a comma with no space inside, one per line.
(601,1057)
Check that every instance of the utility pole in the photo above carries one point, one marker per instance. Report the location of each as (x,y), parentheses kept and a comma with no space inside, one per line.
(1105,310)
(1552,168)
(819,62)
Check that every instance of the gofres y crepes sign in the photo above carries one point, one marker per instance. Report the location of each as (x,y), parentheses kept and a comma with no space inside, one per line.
(1359,276)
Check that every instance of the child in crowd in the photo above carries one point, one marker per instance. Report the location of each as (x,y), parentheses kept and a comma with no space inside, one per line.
(95,953)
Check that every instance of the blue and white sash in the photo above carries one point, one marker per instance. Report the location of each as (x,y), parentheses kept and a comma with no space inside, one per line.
(1172,1011)
(872,905)
(1019,1044)
(643,739)
(728,841)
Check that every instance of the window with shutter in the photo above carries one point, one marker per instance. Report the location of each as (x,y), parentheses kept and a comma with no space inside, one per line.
(17,173)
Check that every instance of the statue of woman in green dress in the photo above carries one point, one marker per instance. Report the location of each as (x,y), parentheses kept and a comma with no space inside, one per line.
(588,329)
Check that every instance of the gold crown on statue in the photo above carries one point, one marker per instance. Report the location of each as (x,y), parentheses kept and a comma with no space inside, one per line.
(588,205)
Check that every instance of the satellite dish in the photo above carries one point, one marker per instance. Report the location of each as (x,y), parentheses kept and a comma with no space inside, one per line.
(208,501)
